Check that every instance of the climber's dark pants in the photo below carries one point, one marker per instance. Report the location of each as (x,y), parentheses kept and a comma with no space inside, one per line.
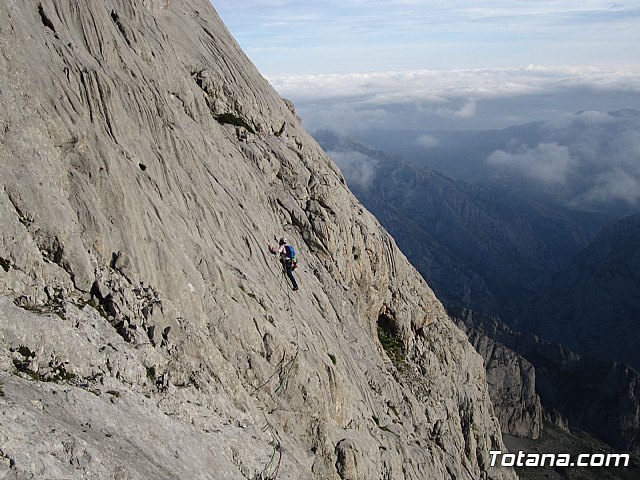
(289,272)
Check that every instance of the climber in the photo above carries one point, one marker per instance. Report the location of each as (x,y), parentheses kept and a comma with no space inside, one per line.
(287,258)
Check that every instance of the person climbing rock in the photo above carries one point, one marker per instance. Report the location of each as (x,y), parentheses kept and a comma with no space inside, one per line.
(287,258)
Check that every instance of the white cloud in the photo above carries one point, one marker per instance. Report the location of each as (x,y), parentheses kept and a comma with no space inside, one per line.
(593,156)
(468,110)
(358,169)
(427,141)
(432,100)
(438,86)
(616,184)
(549,163)
(341,117)
(581,120)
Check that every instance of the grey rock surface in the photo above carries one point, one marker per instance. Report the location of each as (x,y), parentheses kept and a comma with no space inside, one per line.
(145,331)
(512,384)
(576,391)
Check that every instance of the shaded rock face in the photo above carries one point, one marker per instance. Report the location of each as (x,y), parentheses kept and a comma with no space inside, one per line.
(145,331)
(512,385)
(575,390)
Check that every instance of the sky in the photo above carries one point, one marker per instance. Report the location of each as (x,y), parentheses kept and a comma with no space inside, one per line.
(428,67)
(454,64)
(285,37)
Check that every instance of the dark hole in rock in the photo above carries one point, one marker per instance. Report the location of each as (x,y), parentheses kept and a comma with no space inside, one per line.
(45,20)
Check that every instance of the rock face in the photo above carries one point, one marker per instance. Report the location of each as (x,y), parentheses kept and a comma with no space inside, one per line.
(145,331)
(588,393)
(593,305)
(512,384)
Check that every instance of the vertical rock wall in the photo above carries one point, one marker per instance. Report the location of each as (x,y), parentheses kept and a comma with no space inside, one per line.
(145,164)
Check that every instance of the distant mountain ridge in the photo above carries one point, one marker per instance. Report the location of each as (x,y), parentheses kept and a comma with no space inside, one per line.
(478,247)
(587,160)
(593,304)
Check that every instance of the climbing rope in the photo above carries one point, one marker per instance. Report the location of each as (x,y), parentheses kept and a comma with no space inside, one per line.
(283,371)
(266,467)
(278,370)
(289,366)
(277,448)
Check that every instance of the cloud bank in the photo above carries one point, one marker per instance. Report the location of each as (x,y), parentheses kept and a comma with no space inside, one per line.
(440,86)
(593,156)
(548,162)
(358,169)
(427,141)
(455,99)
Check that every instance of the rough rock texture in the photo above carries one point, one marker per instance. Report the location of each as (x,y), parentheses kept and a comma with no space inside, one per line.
(575,390)
(512,385)
(145,332)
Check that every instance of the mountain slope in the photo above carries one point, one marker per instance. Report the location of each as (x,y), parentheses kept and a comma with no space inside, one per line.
(585,160)
(476,246)
(594,395)
(512,383)
(593,305)
(145,332)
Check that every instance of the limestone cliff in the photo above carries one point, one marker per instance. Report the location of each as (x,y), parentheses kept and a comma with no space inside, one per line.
(576,391)
(145,331)
(512,383)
